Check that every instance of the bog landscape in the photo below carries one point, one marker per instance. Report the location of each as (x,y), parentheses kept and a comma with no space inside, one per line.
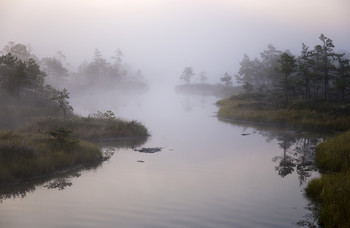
(170,114)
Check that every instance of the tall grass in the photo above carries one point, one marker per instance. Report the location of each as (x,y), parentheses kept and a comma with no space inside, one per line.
(331,192)
(91,128)
(256,108)
(26,156)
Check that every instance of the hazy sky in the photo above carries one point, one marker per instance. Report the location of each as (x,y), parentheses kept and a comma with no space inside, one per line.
(161,37)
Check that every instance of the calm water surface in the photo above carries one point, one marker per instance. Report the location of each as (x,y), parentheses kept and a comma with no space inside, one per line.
(207,175)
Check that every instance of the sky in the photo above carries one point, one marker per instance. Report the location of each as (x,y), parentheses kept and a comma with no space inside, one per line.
(161,37)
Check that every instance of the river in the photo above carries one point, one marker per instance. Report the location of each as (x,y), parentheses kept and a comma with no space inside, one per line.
(210,173)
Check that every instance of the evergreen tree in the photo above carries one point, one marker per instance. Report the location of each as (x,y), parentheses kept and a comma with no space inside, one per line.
(287,67)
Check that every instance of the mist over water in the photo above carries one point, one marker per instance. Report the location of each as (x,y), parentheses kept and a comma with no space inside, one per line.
(127,57)
(207,175)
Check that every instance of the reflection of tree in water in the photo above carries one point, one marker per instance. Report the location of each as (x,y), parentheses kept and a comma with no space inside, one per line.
(298,148)
(57,181)
(286,161)
(61,183)
(187,104)
(64,179)
(13,191)
(298,154)
(305,163)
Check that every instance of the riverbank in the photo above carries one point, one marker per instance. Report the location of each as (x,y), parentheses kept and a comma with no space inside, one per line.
(51,144)
(330,192)
(24,156)
(260,109)
(90,128)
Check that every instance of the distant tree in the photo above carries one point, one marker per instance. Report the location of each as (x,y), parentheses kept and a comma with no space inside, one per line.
(21,51)
(62,96)
(118,56)
(227,79)
(187,74)
(35,78)
(269,62)
(203,77)
(247,72)
(248,87)
(99,66)
(327,56)
(53,67)
(17,76)
(118,70)
(60,56)
(342,80)
(286,68)
(304,70)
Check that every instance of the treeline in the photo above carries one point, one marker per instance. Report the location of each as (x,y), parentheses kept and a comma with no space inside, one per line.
(100,71)
(318,74)
(22,79)
(188,74)
(21,68)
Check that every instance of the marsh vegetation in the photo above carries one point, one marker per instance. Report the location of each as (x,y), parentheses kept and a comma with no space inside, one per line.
(43,134)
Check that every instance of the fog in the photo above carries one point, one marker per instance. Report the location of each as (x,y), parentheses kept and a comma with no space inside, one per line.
(161,37)
(97,65)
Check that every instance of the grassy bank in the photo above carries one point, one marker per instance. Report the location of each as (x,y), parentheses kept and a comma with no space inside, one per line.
(331,192)
(91,129)
(261,109)
(24,156)
(51,144)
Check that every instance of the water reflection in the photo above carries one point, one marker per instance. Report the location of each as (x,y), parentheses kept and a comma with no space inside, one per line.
(123,143)
(298,155)
(297,148)
(63,179)
(58,181)
(61,183)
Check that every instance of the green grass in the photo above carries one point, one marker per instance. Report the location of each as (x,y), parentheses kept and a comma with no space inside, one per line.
(24,156)
(331,192)
(261,109)
(334,154)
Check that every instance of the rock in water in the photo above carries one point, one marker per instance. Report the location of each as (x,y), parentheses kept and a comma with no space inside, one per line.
(149,150)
